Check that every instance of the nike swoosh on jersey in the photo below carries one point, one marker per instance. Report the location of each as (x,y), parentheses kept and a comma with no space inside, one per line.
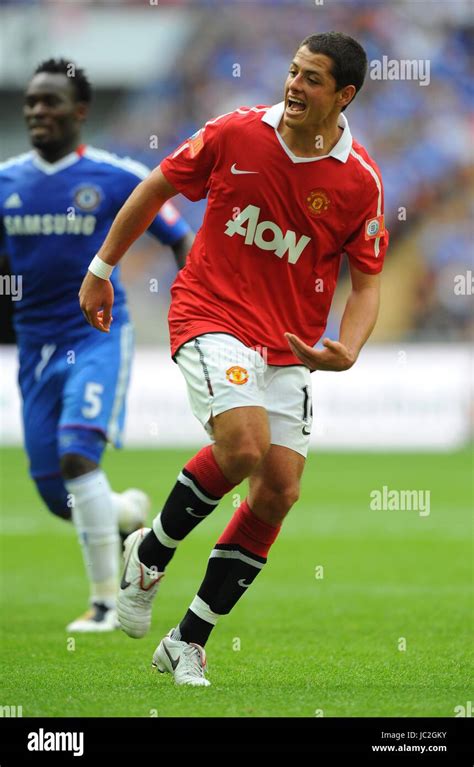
(173,662)
(243,584)
(239,172)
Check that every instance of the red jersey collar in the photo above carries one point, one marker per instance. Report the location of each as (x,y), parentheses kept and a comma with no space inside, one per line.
(340,151)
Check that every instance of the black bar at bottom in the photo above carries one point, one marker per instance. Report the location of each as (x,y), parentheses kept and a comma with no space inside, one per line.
(85,741)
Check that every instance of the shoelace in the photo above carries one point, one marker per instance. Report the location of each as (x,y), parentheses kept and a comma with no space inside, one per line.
(193,660)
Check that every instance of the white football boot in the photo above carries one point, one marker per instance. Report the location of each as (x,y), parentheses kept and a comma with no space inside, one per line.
(98,619)
(138,588)
(185,660)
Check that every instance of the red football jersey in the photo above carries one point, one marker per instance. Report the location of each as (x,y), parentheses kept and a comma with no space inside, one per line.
(267,256)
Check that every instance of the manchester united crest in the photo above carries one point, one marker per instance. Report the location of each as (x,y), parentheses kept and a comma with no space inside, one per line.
(317,202)
(237,375)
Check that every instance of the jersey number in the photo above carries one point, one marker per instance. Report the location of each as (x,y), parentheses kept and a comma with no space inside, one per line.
(92,399)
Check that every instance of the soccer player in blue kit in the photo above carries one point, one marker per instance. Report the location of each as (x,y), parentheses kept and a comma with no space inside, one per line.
(57,203)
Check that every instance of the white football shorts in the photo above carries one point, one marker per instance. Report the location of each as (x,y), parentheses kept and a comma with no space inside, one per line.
(222,373)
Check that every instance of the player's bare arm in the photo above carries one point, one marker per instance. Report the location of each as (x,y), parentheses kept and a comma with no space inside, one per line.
(96,295)
(358,321)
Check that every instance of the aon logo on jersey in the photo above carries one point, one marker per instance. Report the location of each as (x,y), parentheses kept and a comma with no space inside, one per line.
(257,233)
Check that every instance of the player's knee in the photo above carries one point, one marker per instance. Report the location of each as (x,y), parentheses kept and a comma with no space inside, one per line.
(288,497)
(277,500)
(80,450)
(245,456)
(55,496)
(74,465)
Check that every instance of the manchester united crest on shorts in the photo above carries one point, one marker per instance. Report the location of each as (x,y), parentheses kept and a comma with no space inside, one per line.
(317,202)
(237,375)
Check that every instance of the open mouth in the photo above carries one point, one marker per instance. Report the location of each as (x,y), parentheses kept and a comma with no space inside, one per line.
(295,106)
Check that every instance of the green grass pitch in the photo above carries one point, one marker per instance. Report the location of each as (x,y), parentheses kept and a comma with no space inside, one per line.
(384,632)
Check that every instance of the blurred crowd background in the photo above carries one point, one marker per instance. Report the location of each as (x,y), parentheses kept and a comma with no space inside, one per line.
(161,69)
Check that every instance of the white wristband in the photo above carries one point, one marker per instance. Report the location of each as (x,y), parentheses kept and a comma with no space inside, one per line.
(100,268)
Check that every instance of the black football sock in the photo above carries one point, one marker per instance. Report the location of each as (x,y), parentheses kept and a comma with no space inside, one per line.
(233,565)
(198,490)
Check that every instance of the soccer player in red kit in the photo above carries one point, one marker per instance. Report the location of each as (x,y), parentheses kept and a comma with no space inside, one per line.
(289,193)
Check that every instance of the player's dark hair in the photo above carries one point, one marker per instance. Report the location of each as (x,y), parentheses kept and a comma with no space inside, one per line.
(348,56)
(77,76)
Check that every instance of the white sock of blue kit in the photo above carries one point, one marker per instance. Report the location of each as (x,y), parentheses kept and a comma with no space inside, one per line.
(94,514)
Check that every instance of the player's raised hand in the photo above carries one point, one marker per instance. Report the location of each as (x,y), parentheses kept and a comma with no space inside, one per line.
(335,356)
(96,298)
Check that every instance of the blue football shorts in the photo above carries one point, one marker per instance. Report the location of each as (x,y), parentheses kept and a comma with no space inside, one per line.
(74,396)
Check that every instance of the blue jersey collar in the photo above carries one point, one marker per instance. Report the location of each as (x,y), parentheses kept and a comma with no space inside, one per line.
(54,167)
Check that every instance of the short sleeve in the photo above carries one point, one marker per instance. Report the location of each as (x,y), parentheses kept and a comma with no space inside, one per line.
(367,244)
(168,226)
(189,167)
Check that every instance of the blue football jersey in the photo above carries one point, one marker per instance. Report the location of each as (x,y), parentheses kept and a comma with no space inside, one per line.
(53,219)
